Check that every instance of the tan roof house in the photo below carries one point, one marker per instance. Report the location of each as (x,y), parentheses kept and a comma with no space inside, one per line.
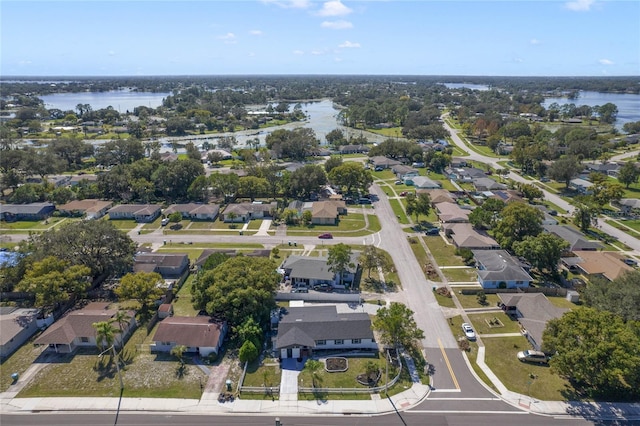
(201,335)
(438,195)
(76,329)
(244,212)
(452,213)
(17,325)
(327,212)
(197,211)
(464,235)
(138,212)
(607,264)
(89,208)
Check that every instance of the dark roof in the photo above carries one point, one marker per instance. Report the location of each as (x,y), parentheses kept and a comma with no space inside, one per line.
(166,260)
(306,325)
(31,208)
(200,331)
(576,239)
(498,265)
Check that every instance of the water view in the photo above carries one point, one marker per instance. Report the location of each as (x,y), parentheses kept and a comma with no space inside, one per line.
(121,100)
(628,104)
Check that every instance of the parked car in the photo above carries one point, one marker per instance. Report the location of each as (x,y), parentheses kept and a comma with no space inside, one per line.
(323,287)
(164,222)
(398,182)
(533,356)
(630,262)
(326,236)
(300,290)
(468,331)
(432,231)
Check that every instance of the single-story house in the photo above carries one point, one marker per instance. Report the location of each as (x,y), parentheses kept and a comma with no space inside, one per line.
(606,264)
(30,211)
(76,329)
(195,211)
(244,212)
(75,180)
(308,271)
(141,213)
(168,265)
(580,185)
(464,174)
(609,169)
(576,239)
(402,172)
(487,184)
(89,208)
(422,182)
(327,212)
(354,149)
(629,206)
(17,325)
(169,156)
(438,196)
(464,235)
(305,329)
(382,162)
(58,180)
(451,213)
(224,155)
(497,268)
(507,195)
(533,311)
(201,335)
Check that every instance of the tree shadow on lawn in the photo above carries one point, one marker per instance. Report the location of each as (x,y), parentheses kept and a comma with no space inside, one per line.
(378,286)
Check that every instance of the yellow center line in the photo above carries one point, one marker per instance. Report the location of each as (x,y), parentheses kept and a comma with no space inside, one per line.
(446,360)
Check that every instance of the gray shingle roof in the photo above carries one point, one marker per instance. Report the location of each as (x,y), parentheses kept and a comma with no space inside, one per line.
(499,266)
(305,326)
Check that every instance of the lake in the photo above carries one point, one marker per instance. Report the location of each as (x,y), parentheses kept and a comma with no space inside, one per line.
(466,86)
(121,100)
(628,104)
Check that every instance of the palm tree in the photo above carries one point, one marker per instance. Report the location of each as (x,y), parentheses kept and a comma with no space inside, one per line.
(105,334)
(122,318)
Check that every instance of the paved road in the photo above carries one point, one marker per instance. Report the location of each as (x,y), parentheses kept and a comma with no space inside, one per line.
(399,419)
(621,236)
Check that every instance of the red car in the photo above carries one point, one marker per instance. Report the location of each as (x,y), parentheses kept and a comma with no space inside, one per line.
(403,193)
(326,236)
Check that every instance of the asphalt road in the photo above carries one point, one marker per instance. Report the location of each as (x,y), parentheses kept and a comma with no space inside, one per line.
(621,236)
(399,419)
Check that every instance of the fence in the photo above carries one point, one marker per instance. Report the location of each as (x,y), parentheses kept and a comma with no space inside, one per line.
(268,390)
(375,389)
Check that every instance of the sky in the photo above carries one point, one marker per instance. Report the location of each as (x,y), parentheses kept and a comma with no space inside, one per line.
(337,37)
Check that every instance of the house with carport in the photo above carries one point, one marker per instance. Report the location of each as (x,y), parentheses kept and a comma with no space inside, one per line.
(311,271)
(327,212)
(76,329)
(245,212)
(89,208)
(194,211)
(305,330)
(29,211)
(422,182)
(141,213)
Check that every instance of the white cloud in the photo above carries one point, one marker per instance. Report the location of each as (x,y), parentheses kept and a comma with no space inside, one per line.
(337,25)
(605,62)
(255,32)
(317,52)
(111,53)
(291,4)
(518,60)
(534,41)
(348,44)
(298,52)
(228,38)
(334,8)
(579,5)
(24,62)
(337,59)
(251,54)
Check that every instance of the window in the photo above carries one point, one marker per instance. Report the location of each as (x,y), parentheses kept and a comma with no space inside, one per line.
(356,341)
(339,342)
(84,339)
(321,342)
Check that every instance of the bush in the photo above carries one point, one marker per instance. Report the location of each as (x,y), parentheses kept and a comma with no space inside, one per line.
(248,352)
(443,291)
(465,254)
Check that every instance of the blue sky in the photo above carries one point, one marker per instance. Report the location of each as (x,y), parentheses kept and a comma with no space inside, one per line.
(519,38)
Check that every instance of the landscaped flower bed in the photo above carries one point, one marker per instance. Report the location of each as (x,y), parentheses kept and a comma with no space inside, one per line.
(336,364)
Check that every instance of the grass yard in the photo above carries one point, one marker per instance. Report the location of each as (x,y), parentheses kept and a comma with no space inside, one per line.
(254,225)
(443,301)
(482,327)
(500,356)
(385,174)
(18,362)
(443,253)
(152,226)
(469,301)
(216,245)
(145,375)
(460,275)
(26,225)
(193,253)
(183,301)
(562,302)
(397,209)
(268,374)
(124,224)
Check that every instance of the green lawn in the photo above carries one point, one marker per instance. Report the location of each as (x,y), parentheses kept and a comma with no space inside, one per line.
(193,253)
(385,174)
(500,356)
(124,224)
(145,375)
(397,209)
(461,275)
(482,327)
(183,301)
(562,302)
(262,375)
(18,362)
(152,226)
(443,253)
(446,302)
(25,225)
(471,301)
